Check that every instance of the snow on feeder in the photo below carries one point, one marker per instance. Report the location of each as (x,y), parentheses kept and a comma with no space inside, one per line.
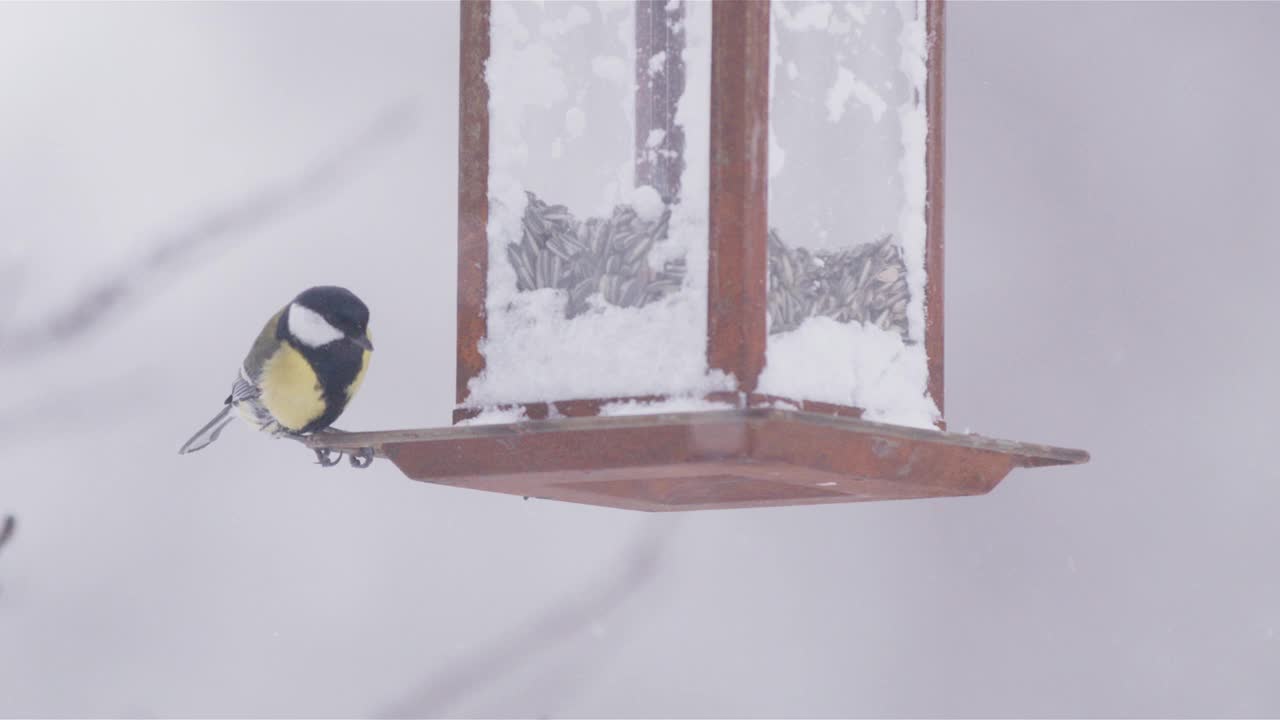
(700,260)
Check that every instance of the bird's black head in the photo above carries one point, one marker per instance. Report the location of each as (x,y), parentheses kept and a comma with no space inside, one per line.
(336,306)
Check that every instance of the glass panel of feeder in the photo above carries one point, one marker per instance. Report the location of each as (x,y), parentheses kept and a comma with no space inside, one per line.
(847,207)
(597,234)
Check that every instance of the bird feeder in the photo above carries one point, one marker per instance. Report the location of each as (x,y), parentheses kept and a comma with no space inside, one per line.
(700,260)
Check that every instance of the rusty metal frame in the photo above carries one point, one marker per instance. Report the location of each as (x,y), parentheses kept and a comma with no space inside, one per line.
(557,408)
(935,169)
(705,460)
(737,287)
(473,192)
(591,408)
(738,203)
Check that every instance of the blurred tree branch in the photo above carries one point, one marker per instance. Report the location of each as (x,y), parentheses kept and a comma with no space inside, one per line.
(7,527)
(637,566)
(173,252)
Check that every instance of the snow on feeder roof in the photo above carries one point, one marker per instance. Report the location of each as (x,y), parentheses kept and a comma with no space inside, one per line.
(700,260)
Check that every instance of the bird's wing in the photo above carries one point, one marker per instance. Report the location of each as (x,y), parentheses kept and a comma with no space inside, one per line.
(261,351)
(243,388)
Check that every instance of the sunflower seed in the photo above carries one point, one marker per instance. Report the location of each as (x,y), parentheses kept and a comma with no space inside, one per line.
(866,283)
(605,256)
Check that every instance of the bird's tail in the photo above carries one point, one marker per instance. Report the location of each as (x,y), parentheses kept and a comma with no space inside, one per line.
(207,434)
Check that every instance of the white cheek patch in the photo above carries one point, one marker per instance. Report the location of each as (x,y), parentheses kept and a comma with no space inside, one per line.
(310,328)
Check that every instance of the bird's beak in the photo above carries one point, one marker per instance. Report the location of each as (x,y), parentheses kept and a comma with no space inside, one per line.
(362,341)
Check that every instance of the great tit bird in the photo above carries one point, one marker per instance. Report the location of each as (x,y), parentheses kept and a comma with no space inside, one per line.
(306,365)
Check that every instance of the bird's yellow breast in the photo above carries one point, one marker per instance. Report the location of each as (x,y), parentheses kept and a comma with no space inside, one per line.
(291,391)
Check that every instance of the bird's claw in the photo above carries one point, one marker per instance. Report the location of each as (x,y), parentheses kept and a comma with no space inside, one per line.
(325,457)
(361,458)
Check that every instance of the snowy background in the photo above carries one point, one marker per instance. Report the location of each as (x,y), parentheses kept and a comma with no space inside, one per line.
(1110,247)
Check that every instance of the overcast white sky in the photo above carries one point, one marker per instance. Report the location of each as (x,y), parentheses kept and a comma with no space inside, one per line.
(1110,256)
